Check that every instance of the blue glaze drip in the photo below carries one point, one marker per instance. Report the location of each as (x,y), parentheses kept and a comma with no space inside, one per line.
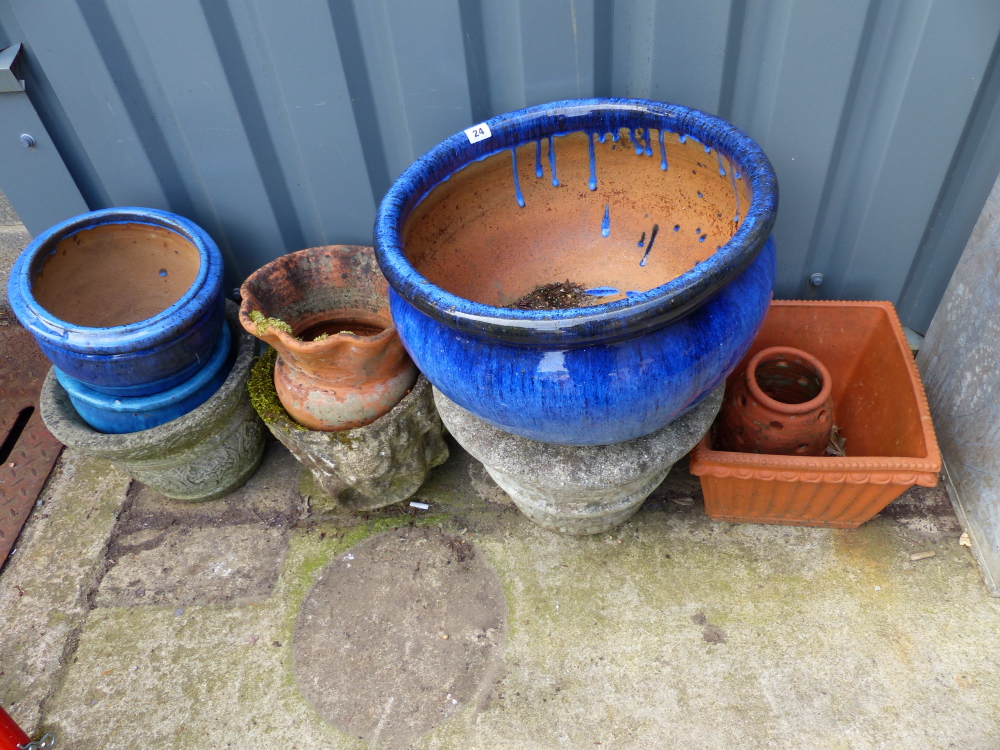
(663,153)
(649,247)
(606,221)
(722,171)
(700,195)
(517,183)
(637,141)
(702,238)
(677,227)
(642,240)
(708,149)
(602,291)
(602,137)
(538,158)
(732,178)
(649,143)
(632,293)
(552,162)
(681,138)
(615,135)
(593,165)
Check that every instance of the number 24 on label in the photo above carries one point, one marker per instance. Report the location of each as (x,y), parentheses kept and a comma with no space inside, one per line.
(478,132)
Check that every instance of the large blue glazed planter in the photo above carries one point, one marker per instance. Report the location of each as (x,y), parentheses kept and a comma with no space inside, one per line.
(138,358)
(609,371)
(116,415)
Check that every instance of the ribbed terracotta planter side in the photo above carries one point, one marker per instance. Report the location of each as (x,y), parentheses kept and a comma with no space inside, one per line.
(879,404)
(203,455)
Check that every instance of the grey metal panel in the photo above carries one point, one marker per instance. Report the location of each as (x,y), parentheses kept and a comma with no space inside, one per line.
(416,62)
(960,365)
(280,125)
(42,191)
(88,93)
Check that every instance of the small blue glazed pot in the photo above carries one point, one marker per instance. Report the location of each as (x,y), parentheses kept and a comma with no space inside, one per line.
(604,373)
(140,358)
(117,415)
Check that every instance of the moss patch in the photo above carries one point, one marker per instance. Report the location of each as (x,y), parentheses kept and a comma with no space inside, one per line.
(263,323)
(263,396)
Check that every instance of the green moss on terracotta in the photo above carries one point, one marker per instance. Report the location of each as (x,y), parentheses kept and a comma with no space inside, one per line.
(264,323)
(263,396)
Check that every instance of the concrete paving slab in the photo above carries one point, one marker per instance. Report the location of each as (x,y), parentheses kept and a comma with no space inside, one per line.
(185,567)
(269,498)
(7,214)
(421,650)
(672,631)
(46,585)
(13,239)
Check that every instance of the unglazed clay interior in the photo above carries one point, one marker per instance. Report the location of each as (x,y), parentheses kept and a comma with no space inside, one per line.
(115,274)
(788,380)
(356,324)
(616,222)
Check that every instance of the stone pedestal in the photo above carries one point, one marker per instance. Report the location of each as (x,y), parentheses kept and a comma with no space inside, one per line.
(202,455)
(578,489)
(368,467)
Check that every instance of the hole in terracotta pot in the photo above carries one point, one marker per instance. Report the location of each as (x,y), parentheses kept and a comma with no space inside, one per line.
(788,381)
(743,400)
(821,415)
(115,274)
(333,327)
(777,425)
(802,448)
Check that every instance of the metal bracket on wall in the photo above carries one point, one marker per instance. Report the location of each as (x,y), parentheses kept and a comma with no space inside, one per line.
(8,78)
(33,175)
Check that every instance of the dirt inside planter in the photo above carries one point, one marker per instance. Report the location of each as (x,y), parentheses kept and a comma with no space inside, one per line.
(115,274)
(560,295)
(639,227)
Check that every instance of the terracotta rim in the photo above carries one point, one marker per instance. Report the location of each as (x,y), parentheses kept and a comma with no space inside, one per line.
(833,469)
(288,339)
(652,309)
(788,352)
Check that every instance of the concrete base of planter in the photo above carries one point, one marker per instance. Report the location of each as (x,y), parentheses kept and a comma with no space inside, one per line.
(205,454)
(578,489)
(368,467)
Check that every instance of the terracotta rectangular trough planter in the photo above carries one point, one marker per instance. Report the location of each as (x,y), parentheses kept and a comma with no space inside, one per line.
(879,407)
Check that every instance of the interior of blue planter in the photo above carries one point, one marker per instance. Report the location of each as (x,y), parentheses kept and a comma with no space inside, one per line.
(618,213)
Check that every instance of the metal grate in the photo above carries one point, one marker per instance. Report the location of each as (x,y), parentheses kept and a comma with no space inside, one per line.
(28,451)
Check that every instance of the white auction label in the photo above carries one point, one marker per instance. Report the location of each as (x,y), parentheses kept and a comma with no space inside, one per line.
(478,132)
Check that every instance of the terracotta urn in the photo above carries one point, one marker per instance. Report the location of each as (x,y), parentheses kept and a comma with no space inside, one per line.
(782,404)
(325,310)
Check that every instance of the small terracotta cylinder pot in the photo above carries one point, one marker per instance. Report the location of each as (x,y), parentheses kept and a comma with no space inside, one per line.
(781,405)
(342,365)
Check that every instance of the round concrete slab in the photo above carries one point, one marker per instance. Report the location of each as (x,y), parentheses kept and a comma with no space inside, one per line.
(398,634)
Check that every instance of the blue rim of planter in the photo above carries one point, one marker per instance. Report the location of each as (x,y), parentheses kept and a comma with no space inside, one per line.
(651,309)
(144,334)
(156,401)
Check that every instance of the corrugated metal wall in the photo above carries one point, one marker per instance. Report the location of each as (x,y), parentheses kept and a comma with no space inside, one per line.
(279,124)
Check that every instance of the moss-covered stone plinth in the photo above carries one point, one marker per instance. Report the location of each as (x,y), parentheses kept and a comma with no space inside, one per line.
(369,467)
